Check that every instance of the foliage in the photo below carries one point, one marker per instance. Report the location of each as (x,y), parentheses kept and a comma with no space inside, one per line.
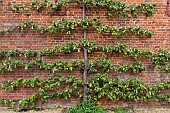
(37,6)
(98,86)
(131,89)
(118,110)
(44,85)
(113,7)
(159,59)
(85,108)
(105,65)
(69,25)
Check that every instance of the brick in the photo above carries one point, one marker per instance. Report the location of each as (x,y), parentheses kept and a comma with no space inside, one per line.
(159,23)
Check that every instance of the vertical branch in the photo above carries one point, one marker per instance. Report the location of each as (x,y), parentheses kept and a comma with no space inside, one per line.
(167,8)
(86,62)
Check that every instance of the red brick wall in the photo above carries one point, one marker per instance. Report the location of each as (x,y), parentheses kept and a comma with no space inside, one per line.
(158,23)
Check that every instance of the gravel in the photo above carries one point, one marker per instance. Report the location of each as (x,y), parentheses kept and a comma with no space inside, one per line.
(153,111)
(43,111)
(61,111)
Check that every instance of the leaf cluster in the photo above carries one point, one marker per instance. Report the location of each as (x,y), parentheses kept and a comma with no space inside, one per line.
(159,60)
(67,26)
(85,108)
(38,6)
(44,86)
(133,89)
(113,7)
(98,87)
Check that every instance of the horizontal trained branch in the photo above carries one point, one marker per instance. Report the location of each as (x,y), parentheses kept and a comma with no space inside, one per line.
(69,25)
(113,7)
(121,8)
(131,89)
(50,83)
(41,95)
(97,87)
(159,59)
(37,6)
(101,64)
(54,67)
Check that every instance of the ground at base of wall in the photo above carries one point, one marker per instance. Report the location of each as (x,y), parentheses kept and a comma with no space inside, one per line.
(61,111)
(153,111)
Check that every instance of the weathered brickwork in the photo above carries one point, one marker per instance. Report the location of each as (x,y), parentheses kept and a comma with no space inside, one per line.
(158,23)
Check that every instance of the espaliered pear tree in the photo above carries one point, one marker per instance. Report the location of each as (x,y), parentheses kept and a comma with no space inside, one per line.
(98,86)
